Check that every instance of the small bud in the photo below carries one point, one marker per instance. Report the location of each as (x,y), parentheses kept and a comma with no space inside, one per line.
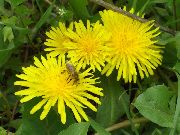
(61,11)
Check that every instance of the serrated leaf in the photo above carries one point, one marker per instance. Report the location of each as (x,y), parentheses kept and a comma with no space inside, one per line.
(8,33)
(98,128)
(111,102)
(76,129)
(154,105)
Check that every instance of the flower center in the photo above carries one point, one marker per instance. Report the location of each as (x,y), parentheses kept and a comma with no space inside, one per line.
(58,84)
(123,43)
(88,44)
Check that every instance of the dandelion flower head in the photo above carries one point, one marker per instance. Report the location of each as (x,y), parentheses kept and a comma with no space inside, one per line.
(133,46)
(56,39)
(88,45)
(51,81)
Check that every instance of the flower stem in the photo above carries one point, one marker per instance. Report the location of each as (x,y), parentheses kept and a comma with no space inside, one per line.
(117,9)
(175,14)
(177,112)
(169,82)
(126,123)
(129,116)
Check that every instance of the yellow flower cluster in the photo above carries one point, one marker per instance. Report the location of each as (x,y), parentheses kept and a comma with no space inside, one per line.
(119,42)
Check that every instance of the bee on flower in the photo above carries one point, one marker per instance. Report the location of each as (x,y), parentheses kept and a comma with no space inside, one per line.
(72,71)
(49,80)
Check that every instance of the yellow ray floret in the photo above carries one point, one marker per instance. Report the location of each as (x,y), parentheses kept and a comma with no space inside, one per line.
(133,46)
(50,80)
(56,39)
(88,45)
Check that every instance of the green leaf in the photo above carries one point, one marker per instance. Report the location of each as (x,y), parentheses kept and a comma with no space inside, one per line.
(32,125)
(138,4)
(1,5)
(65,15)
(111,102)
(176,121)
(177,67)
(10,21)
(141,11)
(172,49)
(15,123)
(159,1)
(177,42)
(170,55)
(76,129)
(15,3)
(5,49)
(43,18)
(8,33)
(98,128)
(154,105)
(23,10)
(79,8)
(3,132)
(161,11)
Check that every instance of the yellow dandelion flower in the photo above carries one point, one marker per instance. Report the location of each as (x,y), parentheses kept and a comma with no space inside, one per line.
(87,45)
(56,38)
(51,81)
(133,46)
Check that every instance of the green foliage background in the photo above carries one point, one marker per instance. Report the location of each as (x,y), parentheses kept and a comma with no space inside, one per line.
(152,106)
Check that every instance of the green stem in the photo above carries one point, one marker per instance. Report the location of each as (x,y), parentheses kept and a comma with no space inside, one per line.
(175,14)
(6,101)
(130,89)
(126,123)
(169,82)
(47,125)
(119,10)
(129,116)
(177,112)
(134,4)
(139,85)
